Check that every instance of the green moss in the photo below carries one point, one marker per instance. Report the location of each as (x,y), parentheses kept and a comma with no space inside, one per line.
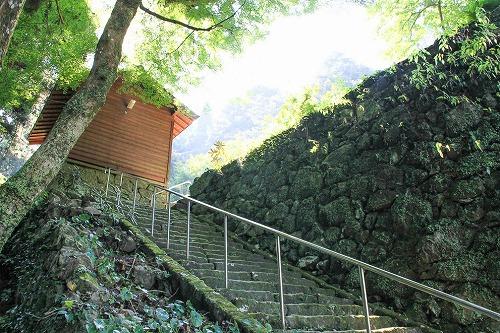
(477,163)
(410,212)
(89,278)
(467,190)
(139,83)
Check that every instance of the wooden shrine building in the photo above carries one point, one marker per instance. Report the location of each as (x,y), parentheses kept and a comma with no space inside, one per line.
(126,134)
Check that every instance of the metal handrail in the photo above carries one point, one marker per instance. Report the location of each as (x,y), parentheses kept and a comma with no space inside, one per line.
(280,234)
(359,263)
(187,182)
(168,205)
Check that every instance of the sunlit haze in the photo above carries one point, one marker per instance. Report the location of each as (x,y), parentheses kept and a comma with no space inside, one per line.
(292,55)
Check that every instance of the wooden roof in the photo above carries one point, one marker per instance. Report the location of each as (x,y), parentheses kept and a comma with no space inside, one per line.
(58,99)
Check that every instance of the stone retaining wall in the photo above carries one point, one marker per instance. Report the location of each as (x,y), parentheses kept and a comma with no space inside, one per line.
(398,177)
(97,178)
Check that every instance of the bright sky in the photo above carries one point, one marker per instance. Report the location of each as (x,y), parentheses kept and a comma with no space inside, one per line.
(292,55)
(290,58)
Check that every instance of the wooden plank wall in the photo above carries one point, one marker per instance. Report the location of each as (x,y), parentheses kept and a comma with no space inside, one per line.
(48,117)
(136,141)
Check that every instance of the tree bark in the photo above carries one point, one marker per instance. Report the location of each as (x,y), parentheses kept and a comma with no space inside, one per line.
(20,191)
(10,10)
(16,149)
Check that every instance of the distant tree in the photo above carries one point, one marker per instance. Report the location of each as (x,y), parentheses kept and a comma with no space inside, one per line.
(218,154)
(169,53)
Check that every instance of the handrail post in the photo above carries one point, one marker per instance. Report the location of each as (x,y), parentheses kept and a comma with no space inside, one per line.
(168,220)
(119,194)
(135,197)
(280,277)
(107,181)
(188,227)
(226,274)
(365,299)
(153,213)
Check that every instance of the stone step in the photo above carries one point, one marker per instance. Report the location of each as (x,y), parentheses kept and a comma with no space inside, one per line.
(302,309)
(216,252)
(236,257)
(289,298)
(326,322)
(255,285)
(175,218)
(379,330)
(195,254)
(180,245)
(254,276)
(181,238)
(203,231)
(250,267)
(182,234)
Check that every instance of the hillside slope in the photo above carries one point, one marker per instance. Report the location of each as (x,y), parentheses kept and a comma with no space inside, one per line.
(73,266)
(405,176)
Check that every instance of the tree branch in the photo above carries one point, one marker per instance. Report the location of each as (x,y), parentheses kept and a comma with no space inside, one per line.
(188,26)
(183,41)
(61,19)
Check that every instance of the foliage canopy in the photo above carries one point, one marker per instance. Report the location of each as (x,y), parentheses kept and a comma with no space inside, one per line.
(51,42)
(175,54)
(405,24)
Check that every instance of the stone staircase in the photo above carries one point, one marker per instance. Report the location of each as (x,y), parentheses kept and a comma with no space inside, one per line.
(253,280)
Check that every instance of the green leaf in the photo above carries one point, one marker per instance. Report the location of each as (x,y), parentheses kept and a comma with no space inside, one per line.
(217,329)
(68,304)
(161,314)
(196,318)
(99,324)
(126,294)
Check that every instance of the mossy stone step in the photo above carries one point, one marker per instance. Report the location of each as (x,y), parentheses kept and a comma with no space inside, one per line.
(174,223)
(210,246)
(193,256)
(326,322)
(180,230)
(201,256)
(255,276)
(205,235)
(379,330)
(302,309)
(236,254)
(176,244)
(253,285)
(289,298)
(250,266)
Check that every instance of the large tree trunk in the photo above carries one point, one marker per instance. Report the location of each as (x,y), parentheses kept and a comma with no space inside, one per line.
(16,150)
(9,15)
(19,192)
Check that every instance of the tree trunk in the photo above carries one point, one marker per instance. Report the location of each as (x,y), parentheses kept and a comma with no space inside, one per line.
(16,150)
(9,15)
(20,191)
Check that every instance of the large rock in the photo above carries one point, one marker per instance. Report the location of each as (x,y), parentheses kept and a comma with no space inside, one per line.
(144,277)
(337,212)
(308,262)
(410,213)
(308,182)
(463,118)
